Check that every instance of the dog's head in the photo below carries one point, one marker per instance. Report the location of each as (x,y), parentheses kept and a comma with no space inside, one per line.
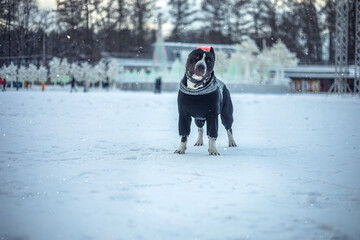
(200,63)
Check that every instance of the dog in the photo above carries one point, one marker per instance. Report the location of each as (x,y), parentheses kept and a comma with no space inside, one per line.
(203,97)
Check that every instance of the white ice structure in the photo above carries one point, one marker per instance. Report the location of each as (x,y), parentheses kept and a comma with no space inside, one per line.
(245,65)
(58,70)
(30,74)
(9,72)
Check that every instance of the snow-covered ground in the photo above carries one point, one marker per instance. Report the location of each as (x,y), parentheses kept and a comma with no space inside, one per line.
(100,165)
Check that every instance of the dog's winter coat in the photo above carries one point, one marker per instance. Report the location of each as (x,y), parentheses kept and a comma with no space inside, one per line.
(204,104)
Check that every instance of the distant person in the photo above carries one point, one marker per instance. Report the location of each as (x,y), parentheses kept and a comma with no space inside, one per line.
(158,85)
(73,82)
(4,85)
(85,86)
(1,82)
(43,86)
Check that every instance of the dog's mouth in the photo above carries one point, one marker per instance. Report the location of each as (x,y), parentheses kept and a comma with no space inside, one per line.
(199,73)
(197,77)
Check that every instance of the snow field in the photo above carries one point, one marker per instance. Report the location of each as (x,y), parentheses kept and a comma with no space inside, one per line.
(101,166)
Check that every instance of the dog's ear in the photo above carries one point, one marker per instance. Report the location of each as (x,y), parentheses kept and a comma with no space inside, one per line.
(212,51)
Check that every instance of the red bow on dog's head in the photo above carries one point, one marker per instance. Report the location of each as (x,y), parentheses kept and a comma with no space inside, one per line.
(204,48)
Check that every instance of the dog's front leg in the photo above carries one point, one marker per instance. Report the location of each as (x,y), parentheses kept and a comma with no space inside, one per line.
(182,147)
(212,132)
(212,148)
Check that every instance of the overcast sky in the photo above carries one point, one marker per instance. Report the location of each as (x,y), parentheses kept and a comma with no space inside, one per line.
(49,4)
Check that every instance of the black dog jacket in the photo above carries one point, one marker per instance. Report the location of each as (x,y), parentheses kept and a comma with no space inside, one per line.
(204,104)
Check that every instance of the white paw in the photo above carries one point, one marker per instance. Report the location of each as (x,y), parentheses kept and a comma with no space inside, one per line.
(199,142)
(213,152)
(212,149)
(181,149)
(232,143)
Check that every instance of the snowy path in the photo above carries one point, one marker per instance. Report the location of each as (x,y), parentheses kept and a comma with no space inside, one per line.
(101,166)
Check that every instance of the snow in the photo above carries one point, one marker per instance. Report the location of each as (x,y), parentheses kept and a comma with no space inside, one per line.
(100,165)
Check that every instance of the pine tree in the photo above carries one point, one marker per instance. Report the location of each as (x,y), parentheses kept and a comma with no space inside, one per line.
(181,12)
(242,22)
(141,13)
(7,18)
(266,22)
(311,29)
(329,24)
(216,12)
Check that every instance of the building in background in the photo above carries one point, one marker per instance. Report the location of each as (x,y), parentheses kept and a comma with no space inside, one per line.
(315,78)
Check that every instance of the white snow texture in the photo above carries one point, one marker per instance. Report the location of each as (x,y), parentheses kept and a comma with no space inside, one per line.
(101,166)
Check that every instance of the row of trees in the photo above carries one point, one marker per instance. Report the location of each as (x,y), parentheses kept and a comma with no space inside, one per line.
(76,29)
(85,29)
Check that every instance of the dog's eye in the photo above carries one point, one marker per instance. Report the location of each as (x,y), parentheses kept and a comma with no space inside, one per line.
(198,57)
(208,60)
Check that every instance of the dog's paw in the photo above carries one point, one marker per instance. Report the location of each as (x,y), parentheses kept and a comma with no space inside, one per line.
(232,143)
(199,143)
(179,151)
(213,152)
(212,148)
(231,138)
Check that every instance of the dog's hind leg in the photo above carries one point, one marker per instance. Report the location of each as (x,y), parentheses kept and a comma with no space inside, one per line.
(200,123)
(231,138)
(199,141)
(227,116)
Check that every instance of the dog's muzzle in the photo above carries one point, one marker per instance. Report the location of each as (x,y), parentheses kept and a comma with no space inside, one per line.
(200,69)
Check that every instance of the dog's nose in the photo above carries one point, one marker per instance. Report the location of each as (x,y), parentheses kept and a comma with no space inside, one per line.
(201,67)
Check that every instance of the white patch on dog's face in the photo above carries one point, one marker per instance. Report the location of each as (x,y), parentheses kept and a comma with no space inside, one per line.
(203,63)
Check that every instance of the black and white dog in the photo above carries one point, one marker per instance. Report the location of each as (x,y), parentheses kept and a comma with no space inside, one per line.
(203,97)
